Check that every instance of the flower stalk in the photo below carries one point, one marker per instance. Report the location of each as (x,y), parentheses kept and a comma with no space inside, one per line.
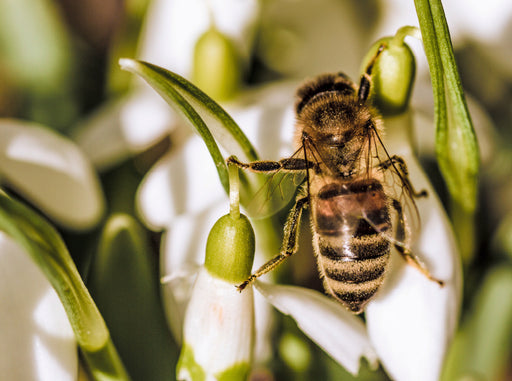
(234,192)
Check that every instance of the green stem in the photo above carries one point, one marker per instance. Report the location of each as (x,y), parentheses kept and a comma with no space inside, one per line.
(405,31)
(234,192)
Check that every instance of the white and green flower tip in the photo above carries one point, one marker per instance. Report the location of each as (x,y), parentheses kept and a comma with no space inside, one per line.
(219,323)
(393,72)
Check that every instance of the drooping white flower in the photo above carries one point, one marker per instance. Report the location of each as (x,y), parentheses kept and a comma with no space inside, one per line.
(218,329)
(51,172)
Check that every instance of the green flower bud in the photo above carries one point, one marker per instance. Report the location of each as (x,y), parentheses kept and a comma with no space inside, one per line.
(217,69)
(230,249)
(392,75)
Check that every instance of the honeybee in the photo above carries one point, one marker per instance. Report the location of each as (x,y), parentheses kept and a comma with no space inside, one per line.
(361,198)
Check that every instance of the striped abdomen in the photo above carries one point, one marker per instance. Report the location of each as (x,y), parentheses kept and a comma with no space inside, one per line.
(349,219)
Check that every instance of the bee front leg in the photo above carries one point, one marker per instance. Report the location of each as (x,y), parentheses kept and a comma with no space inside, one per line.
(406,254)
(290,242)
(270,166)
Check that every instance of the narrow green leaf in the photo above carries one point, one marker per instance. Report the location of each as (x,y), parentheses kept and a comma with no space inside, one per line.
(207,117)
(459,147)
(124,283)
(161,80)
(222,125)
(49,252)
(456,143)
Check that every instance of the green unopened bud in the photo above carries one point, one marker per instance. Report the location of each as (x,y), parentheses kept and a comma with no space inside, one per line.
(230,249)
(393,73)
(124,286)
(217,68)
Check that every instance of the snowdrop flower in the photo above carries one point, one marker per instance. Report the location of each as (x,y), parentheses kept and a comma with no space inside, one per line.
(219,323)
(37,342)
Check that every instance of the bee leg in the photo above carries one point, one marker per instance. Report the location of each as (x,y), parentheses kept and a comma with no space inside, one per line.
(398,161)
(406,254)
(269,166)
(364,85)
(290,242)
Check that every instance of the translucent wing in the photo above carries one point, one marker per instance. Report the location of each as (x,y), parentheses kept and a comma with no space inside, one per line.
(274,192)
(392,172)
(271,192)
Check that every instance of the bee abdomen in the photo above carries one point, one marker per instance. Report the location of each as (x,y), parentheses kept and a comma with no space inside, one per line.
(353,271)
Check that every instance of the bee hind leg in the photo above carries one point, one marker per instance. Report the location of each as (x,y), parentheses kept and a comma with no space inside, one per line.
(405,253)
(290,242)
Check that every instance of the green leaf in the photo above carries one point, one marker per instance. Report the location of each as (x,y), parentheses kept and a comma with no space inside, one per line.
(49,252)
(124,283)
(196,107)
(456,144)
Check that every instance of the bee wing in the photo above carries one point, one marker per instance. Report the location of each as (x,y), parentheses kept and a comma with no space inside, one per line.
(405,218)
(273,191)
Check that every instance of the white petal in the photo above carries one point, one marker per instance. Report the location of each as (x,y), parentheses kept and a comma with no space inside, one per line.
(219,324)
(173,27)
(123,127)
(185,238)
(51,172)
(184,182)
(100,137)
(264,322)
(146,118)
(266,116)
(338,332)
(412,319)
(176,291)
(36,340)
(183,251)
